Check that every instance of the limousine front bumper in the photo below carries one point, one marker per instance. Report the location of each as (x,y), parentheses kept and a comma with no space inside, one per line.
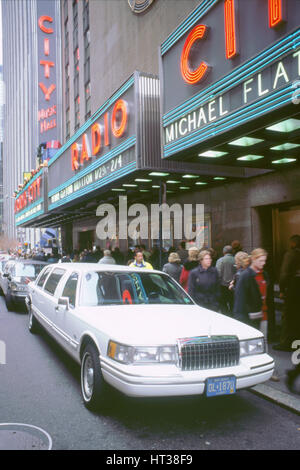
(169,380)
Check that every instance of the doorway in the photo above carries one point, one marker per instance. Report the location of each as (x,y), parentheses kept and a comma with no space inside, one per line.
(286,222)
(86,240)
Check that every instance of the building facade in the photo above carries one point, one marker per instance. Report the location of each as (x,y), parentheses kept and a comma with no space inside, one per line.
(228,122)
(31,72)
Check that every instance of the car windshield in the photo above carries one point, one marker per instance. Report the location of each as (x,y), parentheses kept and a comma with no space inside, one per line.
(106,288)
(30,271)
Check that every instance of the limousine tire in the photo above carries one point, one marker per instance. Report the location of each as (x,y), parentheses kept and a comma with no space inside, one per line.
(33,324)
(9,303)
(93,386)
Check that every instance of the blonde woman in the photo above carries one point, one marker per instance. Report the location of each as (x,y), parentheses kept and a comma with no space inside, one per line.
(253,291)
(190,264)
(242,261)
(174,266)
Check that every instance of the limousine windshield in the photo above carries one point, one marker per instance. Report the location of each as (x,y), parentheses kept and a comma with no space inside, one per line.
(106,288)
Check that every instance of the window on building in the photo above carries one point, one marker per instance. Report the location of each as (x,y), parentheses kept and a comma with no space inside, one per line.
(67,124)
(65,10)
(66,44)
(86,16)
(87,75)
(75,24)
(77,113)
(87,101)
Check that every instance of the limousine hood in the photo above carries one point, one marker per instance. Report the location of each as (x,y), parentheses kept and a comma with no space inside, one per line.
(163,324)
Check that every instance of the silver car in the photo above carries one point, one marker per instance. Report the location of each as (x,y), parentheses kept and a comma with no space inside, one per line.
(15,279)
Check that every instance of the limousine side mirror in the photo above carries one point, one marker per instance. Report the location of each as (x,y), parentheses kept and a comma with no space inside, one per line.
(62,304)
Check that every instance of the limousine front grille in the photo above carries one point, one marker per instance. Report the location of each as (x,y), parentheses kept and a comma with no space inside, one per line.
(201,353)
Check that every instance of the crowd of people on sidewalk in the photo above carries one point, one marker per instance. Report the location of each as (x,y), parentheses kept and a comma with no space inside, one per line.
(237,284)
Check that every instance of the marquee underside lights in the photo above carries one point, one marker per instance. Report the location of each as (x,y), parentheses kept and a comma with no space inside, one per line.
(245,142)
(289,125)
(250,158)
(286,146)
(212,154)
(284,160)
(193,76)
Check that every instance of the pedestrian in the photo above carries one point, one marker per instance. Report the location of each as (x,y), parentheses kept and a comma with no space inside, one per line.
(139,261)
(183,252)
(154,257)
(213,255)
(118,256)
(242,261)
(107,258)
(174,266)
(191,263)
(146,253)
(252,291)
(236,247)
(289,284)
(226,270)
(66,258)
(293,379)
(204,283)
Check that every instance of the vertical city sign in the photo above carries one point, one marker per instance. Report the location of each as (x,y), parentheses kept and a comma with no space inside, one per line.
(47,37)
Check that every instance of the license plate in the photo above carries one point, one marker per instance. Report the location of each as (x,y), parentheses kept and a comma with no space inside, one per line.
(220,386)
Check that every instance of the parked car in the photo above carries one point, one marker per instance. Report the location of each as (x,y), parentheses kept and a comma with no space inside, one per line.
(140,332)
(4,258)
(15,279)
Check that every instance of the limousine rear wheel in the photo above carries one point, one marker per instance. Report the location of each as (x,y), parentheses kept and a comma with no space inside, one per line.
(93,386)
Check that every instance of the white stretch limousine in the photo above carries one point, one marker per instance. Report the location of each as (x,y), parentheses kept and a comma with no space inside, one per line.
(139,331)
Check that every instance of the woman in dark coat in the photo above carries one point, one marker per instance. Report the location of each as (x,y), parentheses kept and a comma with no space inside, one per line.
(204,283)
(253,292)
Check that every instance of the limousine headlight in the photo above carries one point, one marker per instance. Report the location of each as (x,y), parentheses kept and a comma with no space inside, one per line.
(252,346)
(142,354)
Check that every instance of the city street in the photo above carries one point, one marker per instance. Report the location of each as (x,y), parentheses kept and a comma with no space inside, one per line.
(40,385)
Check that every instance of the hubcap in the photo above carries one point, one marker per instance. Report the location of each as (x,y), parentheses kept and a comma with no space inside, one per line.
(88,376)
(30,319)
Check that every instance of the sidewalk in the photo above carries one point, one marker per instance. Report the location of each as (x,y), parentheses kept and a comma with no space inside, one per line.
(278,391)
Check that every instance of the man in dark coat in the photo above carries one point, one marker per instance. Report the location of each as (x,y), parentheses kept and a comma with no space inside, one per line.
(289,284)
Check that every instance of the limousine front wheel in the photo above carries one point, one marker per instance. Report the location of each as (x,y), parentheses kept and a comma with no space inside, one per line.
(93,386)
(33,324)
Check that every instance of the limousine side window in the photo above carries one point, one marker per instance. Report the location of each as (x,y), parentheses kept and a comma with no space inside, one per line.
(42,277)
(53,280)
(70,289)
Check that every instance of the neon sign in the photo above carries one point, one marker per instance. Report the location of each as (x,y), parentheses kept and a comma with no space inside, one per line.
(31,194)
(81,153)
(199,32)
(48,66)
